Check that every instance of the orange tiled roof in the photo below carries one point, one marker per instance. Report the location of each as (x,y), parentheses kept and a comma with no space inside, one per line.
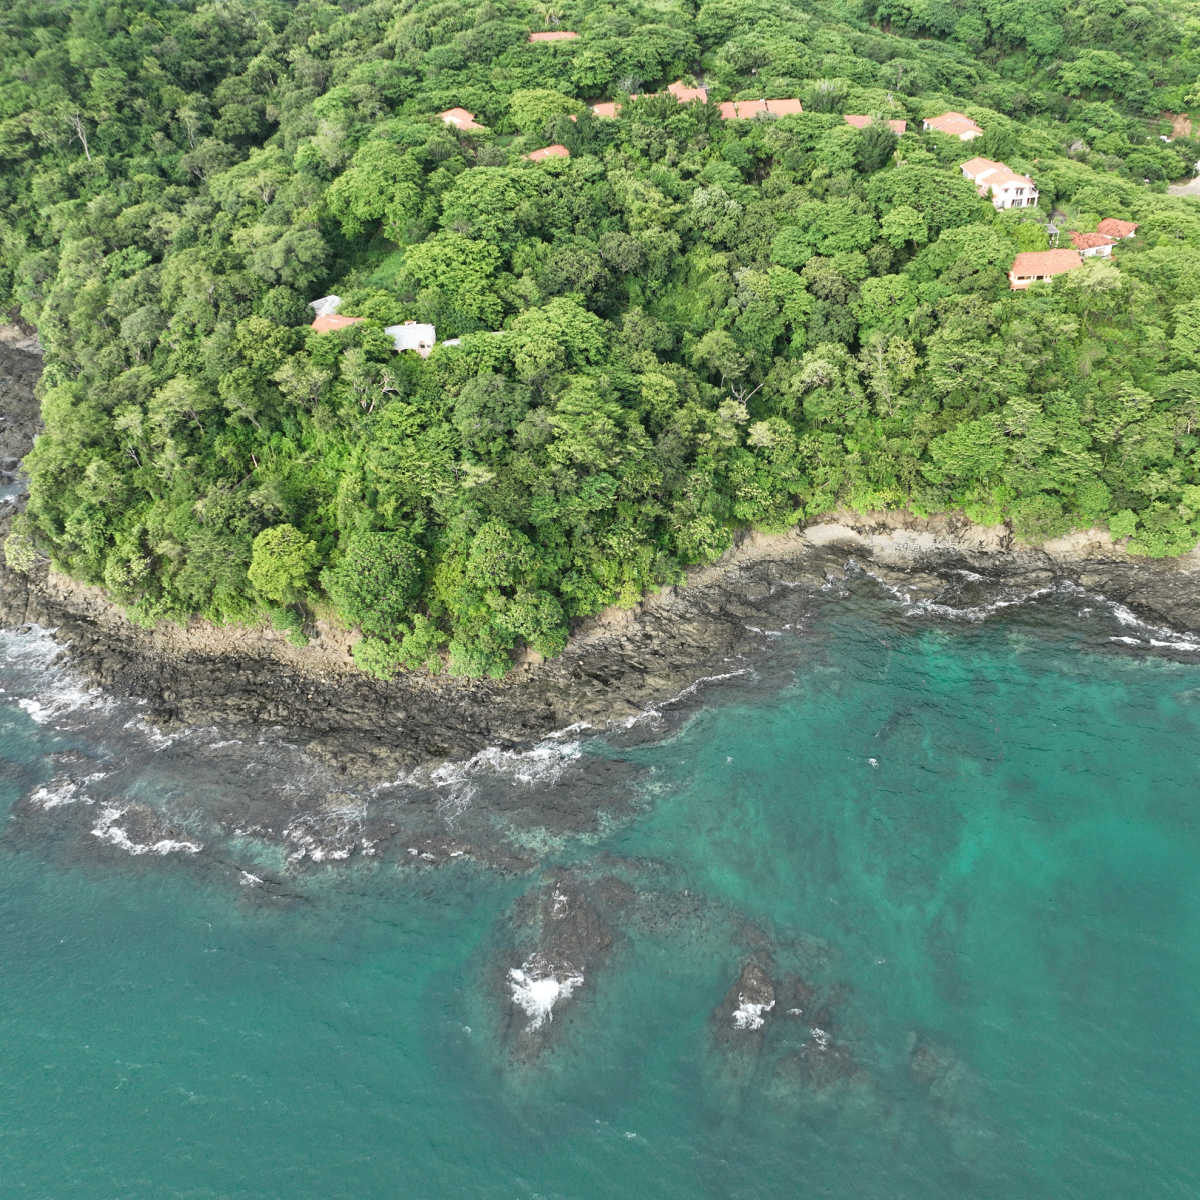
(1089,241)
(606,108)
(684,94)
(328,322)
(988,173)
(1044,262)
(554,35)
(743,110)
(1117,228)
(555,151)
(953,123)
(859,121)
(460,118)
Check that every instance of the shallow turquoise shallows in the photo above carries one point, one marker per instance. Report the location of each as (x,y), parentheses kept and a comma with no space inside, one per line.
(977,843)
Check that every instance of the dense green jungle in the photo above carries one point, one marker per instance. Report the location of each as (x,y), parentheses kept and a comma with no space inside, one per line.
(688,327)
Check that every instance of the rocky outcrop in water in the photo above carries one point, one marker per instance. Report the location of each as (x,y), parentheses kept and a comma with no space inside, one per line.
(562,936)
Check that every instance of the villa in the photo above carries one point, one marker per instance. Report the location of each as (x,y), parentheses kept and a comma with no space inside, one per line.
(412,335)
(1093,245)
(1035,266)
(1115,228)
(460,118)
(744,110)
(555,151)
(953,124)
(861,121)
(1006,188)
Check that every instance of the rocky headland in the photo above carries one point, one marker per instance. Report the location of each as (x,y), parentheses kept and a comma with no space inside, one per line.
(617,665)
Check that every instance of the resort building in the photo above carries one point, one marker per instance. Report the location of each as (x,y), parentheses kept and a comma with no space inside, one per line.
(412,335)
(328,322)
(554,35)
(325,305)
(1035,266)
(1115,228)
(861,121)
(460,118)
(1093,245)
(1006,188)
(745,110)
(953,124)
(555,151)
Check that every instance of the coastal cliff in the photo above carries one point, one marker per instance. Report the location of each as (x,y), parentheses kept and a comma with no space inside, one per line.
(617,664)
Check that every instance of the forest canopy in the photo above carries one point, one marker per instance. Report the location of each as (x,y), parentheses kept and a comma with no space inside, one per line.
(687,327)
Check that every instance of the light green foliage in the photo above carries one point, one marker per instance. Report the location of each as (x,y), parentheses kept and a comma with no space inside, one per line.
(282,562)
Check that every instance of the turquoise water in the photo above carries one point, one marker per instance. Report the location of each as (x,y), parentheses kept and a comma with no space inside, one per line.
(976,839)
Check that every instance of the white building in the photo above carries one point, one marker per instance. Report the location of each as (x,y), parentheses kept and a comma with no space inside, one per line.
(326,306)
(1006,188)
(413,335)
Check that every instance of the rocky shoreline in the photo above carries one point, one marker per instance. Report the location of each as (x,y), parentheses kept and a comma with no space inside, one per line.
(616,666)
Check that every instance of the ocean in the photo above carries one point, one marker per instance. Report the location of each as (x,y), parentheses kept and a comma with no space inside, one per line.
(963,846)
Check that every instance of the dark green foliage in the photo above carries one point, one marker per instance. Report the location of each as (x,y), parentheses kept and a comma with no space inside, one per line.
(690,327)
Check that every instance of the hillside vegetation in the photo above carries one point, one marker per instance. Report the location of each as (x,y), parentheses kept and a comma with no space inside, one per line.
(688,327)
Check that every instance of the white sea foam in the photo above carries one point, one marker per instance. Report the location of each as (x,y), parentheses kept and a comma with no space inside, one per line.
(63,790)
(328,836)
(748,1015)
(654,712)
(536,989)
(820,1036)
(107,830)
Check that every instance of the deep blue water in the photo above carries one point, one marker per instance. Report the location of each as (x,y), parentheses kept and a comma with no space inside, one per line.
(976,843)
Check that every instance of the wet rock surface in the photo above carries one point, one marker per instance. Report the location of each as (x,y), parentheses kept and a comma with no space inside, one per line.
(616,667)
(563,933)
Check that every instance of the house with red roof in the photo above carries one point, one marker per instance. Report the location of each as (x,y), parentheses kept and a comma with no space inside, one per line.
(861,121)
(555,151)
(745,110)
(953,124)
(685,94)
(1036,266)
(1118,229)
(607,109)
(554,35)
(460,118)
(328,322)
(1006,188)
(1093,245)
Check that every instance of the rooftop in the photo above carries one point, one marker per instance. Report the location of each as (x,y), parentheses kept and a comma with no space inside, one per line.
(460,118)
(743,110)
(953,123)
(1089,241)
(555,151)
(328,322)
(1032,263)
(554,35)
(861,121)
(1117,228)
(993,174)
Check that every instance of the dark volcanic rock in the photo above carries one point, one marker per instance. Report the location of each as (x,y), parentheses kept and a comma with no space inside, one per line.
(563,937)
(748,1005)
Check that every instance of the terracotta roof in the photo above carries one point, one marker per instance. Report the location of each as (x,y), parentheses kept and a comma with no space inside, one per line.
(554,35)
(460,118)
(328,322)
(555,151)
(1117,228)
(1088,241)
(953,123)
(1044,262)
(859,121)
(742,110)
(606,108)
(685,95)
(991,174)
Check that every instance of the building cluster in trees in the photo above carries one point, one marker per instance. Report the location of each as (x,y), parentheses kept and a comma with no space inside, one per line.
(679,327)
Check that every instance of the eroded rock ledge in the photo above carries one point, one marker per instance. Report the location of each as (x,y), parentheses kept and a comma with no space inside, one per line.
(616,665)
